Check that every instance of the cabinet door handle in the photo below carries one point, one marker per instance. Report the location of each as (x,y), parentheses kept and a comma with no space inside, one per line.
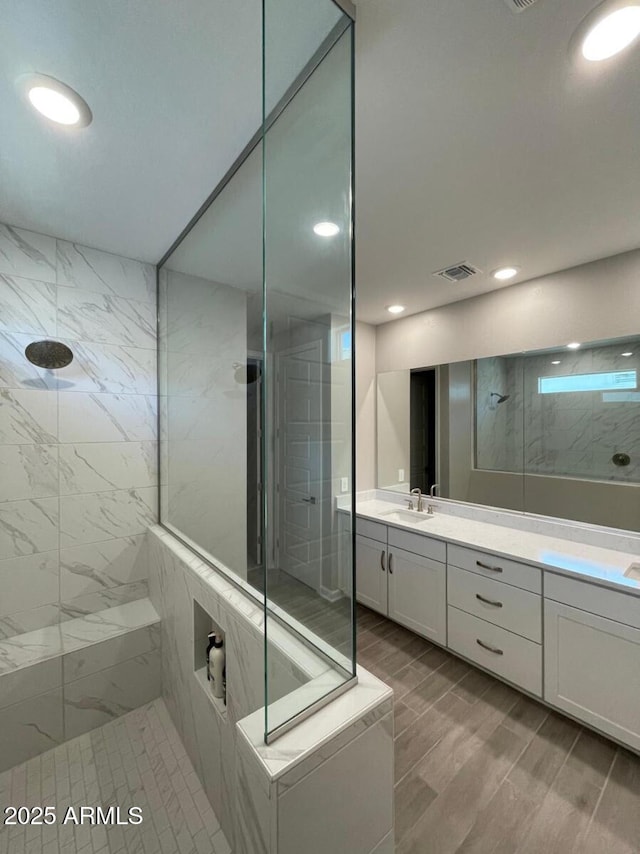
(489,601)
(390,563)
(382,556)
(493,649)
(487,566)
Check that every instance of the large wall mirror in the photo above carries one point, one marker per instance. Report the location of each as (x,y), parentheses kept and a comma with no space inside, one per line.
(554,432)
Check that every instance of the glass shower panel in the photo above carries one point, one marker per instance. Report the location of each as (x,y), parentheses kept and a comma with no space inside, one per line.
(308,344)
(210,352)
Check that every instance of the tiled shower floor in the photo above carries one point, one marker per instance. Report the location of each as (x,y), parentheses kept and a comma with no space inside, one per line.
(137,760)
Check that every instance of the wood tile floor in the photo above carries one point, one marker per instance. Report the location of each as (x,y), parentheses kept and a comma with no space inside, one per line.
(482,769)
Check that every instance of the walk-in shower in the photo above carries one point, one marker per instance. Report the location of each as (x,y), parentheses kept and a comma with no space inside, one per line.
(255,356)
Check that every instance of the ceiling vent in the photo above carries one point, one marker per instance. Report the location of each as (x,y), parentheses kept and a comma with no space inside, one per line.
(457,273)
(519,5)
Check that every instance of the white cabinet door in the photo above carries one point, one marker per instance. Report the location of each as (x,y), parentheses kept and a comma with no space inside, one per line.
(371,573)
(418,594)
(592,670)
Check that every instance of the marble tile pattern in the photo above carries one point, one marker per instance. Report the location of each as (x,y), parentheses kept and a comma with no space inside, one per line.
(78,446)
(204,334)
(63,680)
(239,772)
(565,434)
(137,760)
(499,430)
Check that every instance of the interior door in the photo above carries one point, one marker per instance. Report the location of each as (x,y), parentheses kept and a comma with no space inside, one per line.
(300,482)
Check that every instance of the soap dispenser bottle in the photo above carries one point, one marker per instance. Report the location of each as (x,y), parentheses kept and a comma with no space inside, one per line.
(212,638)
(217,668)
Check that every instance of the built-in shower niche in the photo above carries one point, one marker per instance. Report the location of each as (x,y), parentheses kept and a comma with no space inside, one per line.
(203,623)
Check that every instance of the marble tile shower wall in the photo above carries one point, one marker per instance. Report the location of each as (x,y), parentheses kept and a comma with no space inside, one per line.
(578,433)
(498,426)
(78,445)
(563,434)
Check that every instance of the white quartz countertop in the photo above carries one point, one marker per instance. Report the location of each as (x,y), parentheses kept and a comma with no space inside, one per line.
(604,566)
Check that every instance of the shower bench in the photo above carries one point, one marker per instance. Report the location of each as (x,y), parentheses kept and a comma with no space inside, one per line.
(64,680)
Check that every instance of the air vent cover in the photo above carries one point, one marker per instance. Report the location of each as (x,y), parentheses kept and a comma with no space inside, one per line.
(519,5)
(457,273)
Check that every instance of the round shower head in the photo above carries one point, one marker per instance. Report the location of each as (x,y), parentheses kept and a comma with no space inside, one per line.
(49,354)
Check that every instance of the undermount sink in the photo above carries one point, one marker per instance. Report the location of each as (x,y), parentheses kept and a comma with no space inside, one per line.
(406,517)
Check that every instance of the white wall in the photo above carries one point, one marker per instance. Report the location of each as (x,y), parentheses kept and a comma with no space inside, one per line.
(596,301)
(77,445)
(587,303)
(365,406)
(393,408)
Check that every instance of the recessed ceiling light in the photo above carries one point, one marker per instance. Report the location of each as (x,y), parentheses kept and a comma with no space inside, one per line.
(573,346)
(556,362)
(504,273)
(626,354)
(612,33)
(55,100)
(395,309)
(326,229)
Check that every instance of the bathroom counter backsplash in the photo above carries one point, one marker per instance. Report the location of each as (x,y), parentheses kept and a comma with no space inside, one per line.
(599,555)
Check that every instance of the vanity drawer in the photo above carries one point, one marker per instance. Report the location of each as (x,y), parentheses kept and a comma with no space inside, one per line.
(508,655)
(501,604)
(621,607)
(373,530)
(418,544)
(499,568)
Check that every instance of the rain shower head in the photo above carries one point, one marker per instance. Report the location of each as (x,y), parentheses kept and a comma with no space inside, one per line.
(49,354)
(245,374)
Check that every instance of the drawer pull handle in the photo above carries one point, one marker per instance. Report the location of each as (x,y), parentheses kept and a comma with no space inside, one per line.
(489,601)
(390,563)
(382,566)
(493,649)
(487,566)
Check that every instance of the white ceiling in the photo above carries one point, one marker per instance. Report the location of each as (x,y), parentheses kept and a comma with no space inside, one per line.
(175,89)
(306,171)
(481,138)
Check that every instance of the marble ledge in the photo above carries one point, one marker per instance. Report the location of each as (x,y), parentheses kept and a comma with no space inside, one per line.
(599,564)
(53,641)
(308,737)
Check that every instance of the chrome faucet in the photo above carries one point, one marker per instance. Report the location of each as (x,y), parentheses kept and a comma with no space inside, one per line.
(420,502)
(432,491)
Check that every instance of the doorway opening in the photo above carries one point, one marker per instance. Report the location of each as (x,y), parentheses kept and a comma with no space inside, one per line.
(423,469)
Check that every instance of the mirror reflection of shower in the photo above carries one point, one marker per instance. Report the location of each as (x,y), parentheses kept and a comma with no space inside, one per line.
(495,399)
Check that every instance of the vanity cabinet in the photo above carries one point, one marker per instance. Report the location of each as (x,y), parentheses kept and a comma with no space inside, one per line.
(371,573)
(509,618)
(504,653)
(407,586)
(495,620)
(418,594)
(592,665)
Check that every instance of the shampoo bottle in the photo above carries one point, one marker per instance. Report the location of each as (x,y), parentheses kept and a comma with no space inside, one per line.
(216,667)
(212,639)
